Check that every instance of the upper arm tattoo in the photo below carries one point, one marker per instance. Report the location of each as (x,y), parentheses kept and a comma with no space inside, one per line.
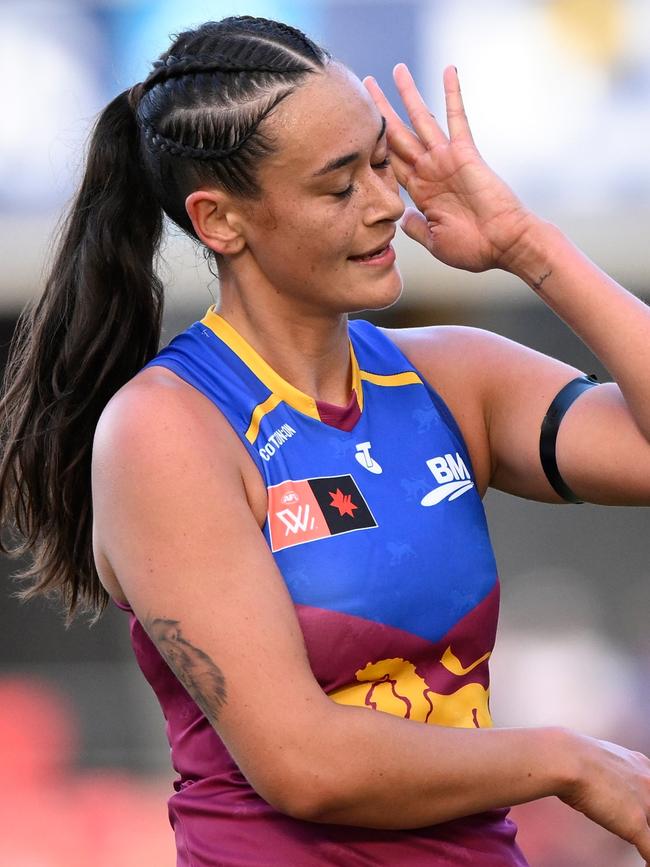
(199,675)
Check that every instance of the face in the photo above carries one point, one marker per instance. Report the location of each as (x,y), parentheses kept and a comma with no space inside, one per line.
(329,194)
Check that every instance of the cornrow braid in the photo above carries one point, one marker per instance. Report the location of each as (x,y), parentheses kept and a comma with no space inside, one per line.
(201,109)
(161,143)
(291,39)
(178,148)
(174,67)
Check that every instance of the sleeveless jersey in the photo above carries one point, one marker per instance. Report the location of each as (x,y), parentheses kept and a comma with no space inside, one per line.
(381,538)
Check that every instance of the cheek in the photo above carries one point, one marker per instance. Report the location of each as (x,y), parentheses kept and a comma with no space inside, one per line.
(305,237)
(326,237)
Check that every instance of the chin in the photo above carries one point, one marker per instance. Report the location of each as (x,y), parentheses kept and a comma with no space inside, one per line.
(383,296)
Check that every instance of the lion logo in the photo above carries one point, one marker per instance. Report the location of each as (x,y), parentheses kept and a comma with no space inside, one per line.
(394,686)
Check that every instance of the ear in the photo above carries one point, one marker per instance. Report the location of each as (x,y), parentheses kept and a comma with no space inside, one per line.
(216,221)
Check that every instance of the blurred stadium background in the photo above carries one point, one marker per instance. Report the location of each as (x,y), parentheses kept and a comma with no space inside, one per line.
(558,95)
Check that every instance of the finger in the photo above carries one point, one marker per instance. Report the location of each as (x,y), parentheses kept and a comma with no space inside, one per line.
(402,140)
(424,123)
(403,170)
(457,122)
(415,225)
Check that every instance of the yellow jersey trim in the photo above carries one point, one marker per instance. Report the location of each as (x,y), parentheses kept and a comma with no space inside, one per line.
(280,389)
(258,414)
(407,378)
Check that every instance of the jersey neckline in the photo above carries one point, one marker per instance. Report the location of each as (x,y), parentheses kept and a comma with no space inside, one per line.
(280,389)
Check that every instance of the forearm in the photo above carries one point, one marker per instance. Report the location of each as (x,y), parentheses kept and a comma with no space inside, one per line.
(381,771)
(611,321)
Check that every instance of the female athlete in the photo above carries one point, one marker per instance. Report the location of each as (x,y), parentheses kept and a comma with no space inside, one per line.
(288,503)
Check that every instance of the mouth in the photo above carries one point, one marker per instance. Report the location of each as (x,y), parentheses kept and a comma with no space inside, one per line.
(375,253)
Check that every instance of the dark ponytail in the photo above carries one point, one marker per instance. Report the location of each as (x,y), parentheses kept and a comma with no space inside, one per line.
(96,324)
(198,118)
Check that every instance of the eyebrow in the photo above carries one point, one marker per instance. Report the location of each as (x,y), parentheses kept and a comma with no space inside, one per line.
(339,162)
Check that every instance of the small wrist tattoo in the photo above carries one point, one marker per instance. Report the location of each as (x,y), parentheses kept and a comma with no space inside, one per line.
(537,284)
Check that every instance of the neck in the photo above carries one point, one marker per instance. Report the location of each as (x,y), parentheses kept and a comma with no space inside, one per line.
(307,347)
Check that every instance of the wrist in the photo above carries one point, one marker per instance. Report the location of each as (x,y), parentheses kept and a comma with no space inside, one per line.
(532,257)
(566,762)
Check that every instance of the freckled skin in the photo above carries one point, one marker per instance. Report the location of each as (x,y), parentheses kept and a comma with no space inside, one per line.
(299,235)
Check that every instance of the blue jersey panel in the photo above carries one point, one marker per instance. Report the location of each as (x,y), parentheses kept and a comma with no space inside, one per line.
(425,559)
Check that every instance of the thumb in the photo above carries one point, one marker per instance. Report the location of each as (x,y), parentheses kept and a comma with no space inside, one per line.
(415,225)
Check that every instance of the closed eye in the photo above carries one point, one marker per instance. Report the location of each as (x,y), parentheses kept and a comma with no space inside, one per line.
(347,192)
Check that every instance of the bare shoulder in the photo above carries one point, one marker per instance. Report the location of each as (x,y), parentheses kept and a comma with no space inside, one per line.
(450,354)
(448,351)
(153,426)
(151,407)
(159,434)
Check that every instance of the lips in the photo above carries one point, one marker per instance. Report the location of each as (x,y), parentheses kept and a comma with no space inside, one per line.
(375,251)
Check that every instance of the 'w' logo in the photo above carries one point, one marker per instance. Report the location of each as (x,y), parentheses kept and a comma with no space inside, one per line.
(296,522)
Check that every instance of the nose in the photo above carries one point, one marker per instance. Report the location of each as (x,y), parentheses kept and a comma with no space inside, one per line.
(383,202)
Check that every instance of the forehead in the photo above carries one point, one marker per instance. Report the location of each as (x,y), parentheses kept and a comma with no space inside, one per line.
(332,114)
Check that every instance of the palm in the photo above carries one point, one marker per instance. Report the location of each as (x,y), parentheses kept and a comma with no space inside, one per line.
(468,217)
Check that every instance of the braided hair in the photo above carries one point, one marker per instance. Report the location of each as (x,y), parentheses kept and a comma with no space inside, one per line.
(200,110)
(197,118)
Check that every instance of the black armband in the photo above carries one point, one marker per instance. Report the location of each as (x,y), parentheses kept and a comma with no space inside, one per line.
(548,436)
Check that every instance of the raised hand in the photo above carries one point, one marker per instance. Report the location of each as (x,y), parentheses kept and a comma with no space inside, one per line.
(467,216)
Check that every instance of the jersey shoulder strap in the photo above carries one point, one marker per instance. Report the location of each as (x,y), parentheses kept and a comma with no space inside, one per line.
(204,361)
(381,360)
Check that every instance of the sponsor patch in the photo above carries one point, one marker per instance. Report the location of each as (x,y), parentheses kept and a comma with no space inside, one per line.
(308,509)
(453,479)
(363,457)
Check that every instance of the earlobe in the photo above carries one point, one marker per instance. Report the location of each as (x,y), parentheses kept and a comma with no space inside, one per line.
(215,221)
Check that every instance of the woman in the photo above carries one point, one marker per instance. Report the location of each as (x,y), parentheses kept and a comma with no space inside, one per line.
(288,503)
